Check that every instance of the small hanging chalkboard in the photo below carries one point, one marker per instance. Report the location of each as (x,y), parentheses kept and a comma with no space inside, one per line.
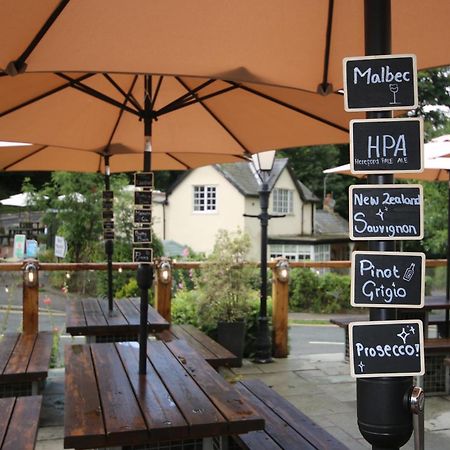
(108,234)
(108,195)
(380,83)
(143,255)
(143,180)
(143,216)
(108,214)
(108,225)
(107,204)
(143,198)
(386,145)
(387,212)
(387,279)
(391,348)
(142,236)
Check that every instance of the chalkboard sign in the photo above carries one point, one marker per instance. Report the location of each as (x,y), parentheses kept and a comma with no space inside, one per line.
(380,83)
(108,234)
(108,195)
(143,180)
(388,279)
(107,204)
(143,255)
(387,212)
(108,225)
(108,214)
(142,216)
(142,236)
(143,198)
(391,348)
(386,145)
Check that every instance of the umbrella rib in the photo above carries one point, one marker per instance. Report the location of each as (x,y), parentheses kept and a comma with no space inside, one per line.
(45,94)
(98,95)
(323,88)
(158,87)
(179,161)
(24,158)
(19,65)
(213,115)
(128,96)
(289,106)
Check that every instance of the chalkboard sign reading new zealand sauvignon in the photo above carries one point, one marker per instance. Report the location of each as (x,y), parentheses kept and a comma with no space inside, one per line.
(391,348)
(386,212)
(380,83)
(387,279)
(386,145)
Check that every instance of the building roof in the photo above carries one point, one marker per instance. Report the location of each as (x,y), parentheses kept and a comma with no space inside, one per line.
(330,224)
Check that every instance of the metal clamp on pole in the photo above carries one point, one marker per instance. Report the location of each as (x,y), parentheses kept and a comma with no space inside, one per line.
(417,406)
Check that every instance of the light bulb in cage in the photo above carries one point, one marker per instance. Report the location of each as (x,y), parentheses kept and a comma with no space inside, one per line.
(30,274)
(282,270)
(165,272)
(68,275)
(120,270)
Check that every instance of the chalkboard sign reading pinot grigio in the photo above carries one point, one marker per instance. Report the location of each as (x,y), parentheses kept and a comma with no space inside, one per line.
(387,212)
(386,145)
(387,279)
(380,83)
(391,348)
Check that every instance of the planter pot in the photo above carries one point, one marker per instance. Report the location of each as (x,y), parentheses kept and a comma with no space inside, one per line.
(231,335)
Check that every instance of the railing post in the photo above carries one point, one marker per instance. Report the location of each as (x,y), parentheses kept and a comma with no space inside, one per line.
(30,299)
(280,304)
(163,291)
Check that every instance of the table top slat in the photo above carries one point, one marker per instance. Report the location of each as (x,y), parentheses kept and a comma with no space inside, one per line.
(83,420)
(204,419)
(240,415)
(156,322)
(40,358)
(129,311)
(7,344)
(23,427)
(181,333)
(123,417)
(114,319)
(20,357)
(93,313)
(163,418)
(75,314)
(6,407)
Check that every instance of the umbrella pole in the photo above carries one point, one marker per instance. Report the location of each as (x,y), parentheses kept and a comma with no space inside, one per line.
(145,271)
(109,243)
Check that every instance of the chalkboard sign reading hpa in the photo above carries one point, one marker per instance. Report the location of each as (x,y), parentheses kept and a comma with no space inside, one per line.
(386,145)
(387,212)
(387,279)
(143,255)
(142,236)
(143,198)
(380,83)
(143,180)
(143,216)
(391,348)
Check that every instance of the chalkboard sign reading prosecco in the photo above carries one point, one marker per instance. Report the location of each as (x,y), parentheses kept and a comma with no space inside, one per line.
(386,145)
(391,348)
(142,255)
(380,83)
(108,195)
(387,212)
(143,198)
(387,279)
(142,236)
(143,180)
(143,216)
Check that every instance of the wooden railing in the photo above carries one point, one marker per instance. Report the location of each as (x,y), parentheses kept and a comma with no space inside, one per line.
(280,291)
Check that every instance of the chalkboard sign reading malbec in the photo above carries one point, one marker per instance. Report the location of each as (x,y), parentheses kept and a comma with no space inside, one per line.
(387,279)
(143,216)
(380,83)
(391,348)
(386,145)
(387,212)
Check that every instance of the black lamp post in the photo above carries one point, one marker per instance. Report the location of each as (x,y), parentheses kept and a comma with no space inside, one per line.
(263,163)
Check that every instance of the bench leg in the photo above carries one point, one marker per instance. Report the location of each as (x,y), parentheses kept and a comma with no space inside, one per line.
(91,340)
(216,443)
(447,380)
(35,388)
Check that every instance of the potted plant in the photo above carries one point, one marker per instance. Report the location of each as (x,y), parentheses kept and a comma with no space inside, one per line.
(225,291)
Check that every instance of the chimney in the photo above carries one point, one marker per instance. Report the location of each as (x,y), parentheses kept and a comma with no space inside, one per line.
(329,202)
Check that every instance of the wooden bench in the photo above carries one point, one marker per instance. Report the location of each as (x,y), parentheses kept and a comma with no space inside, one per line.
(435,380)
(343,322)
(19,419)
(285,426)
(24,362)
(209,349)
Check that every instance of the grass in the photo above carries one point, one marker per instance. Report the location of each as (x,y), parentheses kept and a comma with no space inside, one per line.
(308,322)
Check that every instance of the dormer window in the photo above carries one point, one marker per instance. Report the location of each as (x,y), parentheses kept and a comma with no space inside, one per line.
(283,201)
(205,200)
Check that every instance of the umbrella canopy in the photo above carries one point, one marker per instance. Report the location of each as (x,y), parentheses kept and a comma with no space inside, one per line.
(259,41)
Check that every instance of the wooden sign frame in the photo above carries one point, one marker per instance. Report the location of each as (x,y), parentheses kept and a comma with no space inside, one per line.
(397,290)
(374,350)
(380,187)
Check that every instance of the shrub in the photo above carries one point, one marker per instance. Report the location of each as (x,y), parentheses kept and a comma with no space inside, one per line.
(184,307)
(303,288)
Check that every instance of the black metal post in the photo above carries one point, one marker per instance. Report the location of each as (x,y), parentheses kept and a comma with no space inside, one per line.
(145,271)
(384,418)
(447,291)
(109,243)
(263,352)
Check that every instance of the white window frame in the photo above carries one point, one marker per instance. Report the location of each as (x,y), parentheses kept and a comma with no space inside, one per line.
(204,190)
(283,201)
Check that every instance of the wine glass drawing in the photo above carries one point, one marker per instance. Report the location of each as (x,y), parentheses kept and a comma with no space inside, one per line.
(393,87)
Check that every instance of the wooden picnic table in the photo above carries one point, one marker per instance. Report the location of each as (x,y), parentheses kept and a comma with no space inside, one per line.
(107,403)
(24,359)
(91,318)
